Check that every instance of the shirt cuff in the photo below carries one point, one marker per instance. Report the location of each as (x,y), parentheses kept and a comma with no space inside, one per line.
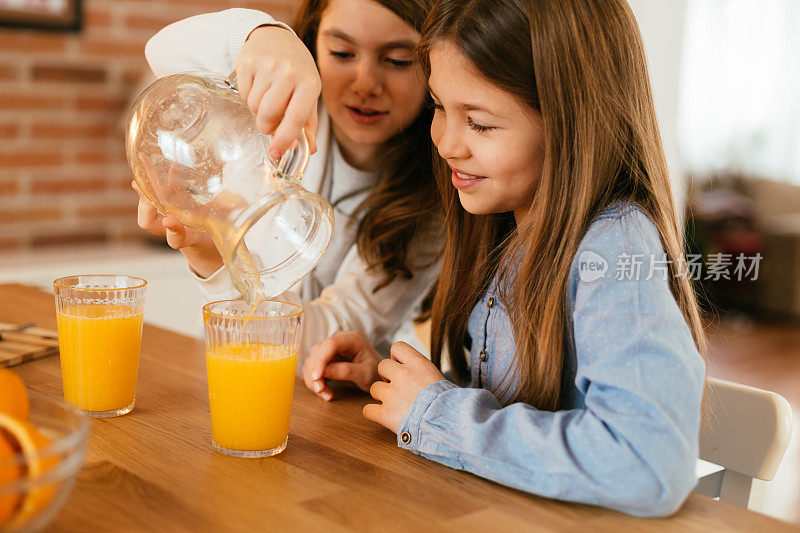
(240,34)
(217,286)
(276,23)
(408,434)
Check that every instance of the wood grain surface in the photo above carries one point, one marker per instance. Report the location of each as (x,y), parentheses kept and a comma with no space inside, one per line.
(155,470)
(20,343)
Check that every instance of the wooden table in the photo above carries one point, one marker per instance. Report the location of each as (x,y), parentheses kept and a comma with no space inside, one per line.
(155,470)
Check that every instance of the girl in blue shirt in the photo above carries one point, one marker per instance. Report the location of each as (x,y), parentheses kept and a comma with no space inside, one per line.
(571,328)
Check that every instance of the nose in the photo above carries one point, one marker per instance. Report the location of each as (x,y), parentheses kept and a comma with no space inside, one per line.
(447,139)
(368,81)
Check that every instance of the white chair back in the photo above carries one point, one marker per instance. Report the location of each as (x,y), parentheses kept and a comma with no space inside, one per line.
(746,433)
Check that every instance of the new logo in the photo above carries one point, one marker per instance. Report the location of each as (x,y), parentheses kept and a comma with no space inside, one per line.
(591,266)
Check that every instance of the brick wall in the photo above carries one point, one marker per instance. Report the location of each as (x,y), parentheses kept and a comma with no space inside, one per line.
(64,98)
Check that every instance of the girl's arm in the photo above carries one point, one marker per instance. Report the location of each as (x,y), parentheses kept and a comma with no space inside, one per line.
(204,43)
(268,60)
(633,445)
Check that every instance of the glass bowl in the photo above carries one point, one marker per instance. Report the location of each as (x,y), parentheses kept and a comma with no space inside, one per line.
(61,460)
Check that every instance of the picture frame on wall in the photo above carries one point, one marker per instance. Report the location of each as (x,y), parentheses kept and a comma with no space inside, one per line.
(54,15)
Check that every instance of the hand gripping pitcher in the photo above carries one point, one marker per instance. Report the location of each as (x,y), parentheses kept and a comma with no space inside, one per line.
(196,154)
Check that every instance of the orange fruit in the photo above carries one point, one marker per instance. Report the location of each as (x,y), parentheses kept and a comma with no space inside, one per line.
(13,396)
(9,473)
(30,442)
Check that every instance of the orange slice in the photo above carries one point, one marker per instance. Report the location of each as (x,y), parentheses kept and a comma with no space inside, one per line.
(13,396)
(30,441)
(9,473)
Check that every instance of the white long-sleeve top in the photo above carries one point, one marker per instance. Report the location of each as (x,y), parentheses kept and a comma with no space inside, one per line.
(338,294)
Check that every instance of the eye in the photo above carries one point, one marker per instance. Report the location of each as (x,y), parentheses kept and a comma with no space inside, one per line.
(341,55)
(481,128)
(401,63)
(433,104)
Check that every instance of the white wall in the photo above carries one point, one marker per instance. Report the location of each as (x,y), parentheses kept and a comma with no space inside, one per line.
(662,24)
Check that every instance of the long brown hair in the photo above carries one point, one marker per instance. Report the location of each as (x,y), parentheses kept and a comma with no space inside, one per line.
(404,204)
(582,66)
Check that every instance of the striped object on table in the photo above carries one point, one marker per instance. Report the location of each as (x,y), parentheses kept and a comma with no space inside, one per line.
(22,343)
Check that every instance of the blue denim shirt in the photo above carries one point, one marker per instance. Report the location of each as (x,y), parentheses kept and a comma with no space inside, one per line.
(626,435)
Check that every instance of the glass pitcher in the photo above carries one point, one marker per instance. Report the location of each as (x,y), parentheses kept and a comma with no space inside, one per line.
(196,154)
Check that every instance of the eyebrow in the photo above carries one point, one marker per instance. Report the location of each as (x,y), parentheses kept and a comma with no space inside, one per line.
(466,106)
(390,45)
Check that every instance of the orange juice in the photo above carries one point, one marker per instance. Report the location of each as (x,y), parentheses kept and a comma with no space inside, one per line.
(250,390)
(99,345)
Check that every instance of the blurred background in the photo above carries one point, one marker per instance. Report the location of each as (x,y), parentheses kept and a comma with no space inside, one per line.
(726,81)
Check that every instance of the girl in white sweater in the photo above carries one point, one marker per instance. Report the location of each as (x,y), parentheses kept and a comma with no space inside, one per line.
(370,130)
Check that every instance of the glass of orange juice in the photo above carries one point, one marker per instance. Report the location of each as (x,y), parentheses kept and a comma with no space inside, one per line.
(99,337)
(251,359)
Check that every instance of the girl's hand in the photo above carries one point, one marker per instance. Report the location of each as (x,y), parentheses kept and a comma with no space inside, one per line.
(407,373)
(196,246)
(347,356)
(279,80)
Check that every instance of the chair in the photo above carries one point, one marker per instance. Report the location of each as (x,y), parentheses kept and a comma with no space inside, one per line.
(746,434)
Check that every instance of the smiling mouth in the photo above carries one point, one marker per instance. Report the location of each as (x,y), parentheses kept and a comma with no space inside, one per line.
(463,176)
(367,112)
(465,182)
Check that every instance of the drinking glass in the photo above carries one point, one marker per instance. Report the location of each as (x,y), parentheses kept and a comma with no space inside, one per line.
(99,338)
(251,359)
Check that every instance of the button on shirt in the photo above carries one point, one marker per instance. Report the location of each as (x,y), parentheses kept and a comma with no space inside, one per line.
(626,434)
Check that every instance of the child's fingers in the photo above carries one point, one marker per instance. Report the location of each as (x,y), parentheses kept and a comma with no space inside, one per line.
(345,344)
(175,239)
(311,130)
(172,223)
(317,386)
(318,359)
(298,113)
(146,214)
(364,376)
(388,369)
(314,367)
(261,83)
(403,353)
(244,80)
(378,390)
(340,371)
(348,343)
(373,412)
(308,366)
(272,108)
(147,218)
(191,237)
(307,374)
(324,391)
(142,197)
(356,373)
(175,232)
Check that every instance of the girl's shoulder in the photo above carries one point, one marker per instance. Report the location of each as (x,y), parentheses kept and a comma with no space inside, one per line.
(622,227)
(621,246)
